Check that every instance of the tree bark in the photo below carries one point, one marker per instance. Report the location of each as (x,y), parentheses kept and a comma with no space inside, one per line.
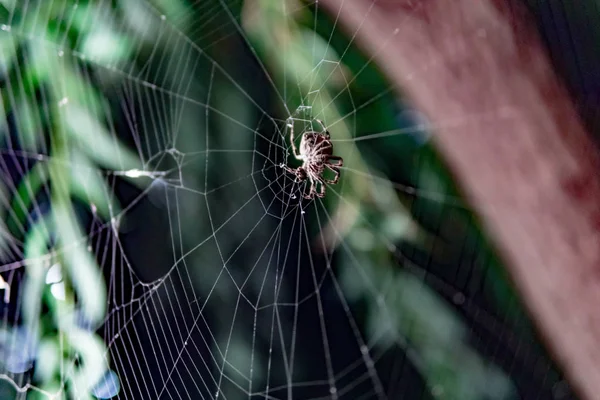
(520,152)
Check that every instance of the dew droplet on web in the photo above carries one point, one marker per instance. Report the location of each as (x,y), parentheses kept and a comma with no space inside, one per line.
(5,28)
(163,17)
(61,53)
(149,84)
(176,154)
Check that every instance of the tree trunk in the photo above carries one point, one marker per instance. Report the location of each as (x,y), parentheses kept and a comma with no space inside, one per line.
(511,136)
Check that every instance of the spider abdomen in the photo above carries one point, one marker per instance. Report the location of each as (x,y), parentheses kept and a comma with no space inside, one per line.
(315,144)
(316,153)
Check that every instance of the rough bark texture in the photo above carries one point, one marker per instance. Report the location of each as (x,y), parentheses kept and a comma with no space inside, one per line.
(530,170)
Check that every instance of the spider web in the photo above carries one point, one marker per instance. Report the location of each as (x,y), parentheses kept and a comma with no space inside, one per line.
(222,281)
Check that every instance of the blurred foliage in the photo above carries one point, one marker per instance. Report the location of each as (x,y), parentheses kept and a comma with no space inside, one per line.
(57,122)
(404,235)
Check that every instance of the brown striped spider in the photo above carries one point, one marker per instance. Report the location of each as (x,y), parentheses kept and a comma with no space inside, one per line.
(316,154)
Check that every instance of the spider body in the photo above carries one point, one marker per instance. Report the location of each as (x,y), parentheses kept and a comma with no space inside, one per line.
(316,154)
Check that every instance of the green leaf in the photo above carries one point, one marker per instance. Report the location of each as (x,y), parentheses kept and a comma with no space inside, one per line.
(28,125)
(3,120)
(42,61)
(78,90)
(104,46)
(137,17)
(88,186)
(414,314)
(397,225)
(62,75)
(96,141)
(98,12)
(82,270)
(48,354)
(175,9)
(36,256)
(24,197)
(8,4)
(8,51)
(92,367)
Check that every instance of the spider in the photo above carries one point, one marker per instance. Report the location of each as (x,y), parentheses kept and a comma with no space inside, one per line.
(316,154)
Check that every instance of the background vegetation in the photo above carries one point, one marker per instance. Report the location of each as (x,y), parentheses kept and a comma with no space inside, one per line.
(117,124)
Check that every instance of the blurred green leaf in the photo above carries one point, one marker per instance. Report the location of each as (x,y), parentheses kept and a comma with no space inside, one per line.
(9,4)
(81,266)
(36,246)
(3,120)
(413,312)
(8,51)
(48,356)
(51,94)
(137,17)
(88,186)
(92,137)
(24,197)
(104,46)
(397,226)
(29,125)
(88,16)
(88,374)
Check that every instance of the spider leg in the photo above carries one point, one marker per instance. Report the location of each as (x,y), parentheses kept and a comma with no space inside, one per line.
(311,193)
(336,178)
(325,131)
(319,180)
(292,138)
(322,147)
(339,163)
(288,169)
(292,171)
(334,168)
(321,192)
